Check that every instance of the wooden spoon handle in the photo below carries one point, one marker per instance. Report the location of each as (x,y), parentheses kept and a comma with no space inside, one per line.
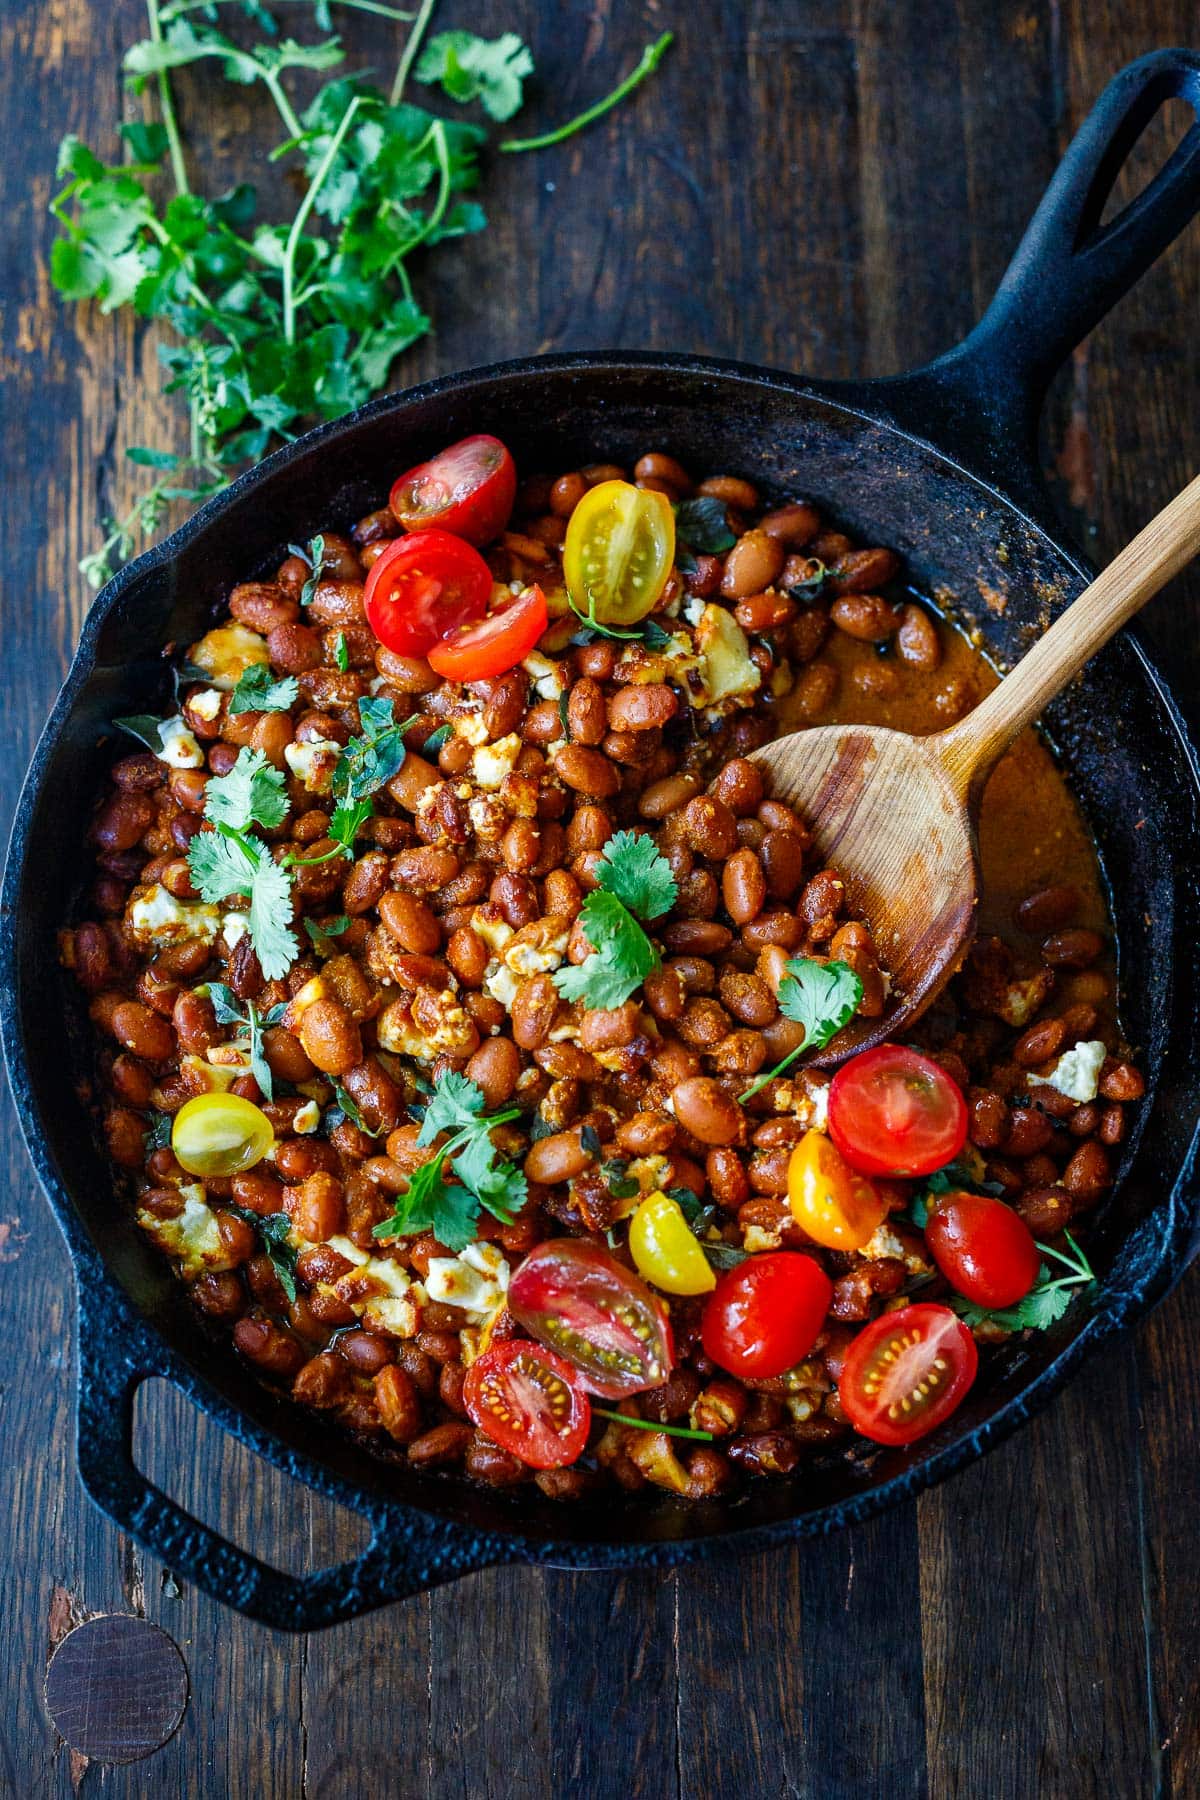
(1172,538)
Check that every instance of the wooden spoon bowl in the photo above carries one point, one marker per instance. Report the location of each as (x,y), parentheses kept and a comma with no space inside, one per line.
(896,815)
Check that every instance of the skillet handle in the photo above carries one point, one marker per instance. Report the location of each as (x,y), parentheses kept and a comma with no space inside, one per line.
(408,1553)
(1069,270)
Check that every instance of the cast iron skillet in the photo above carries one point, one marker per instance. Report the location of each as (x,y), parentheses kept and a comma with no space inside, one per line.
(942,465)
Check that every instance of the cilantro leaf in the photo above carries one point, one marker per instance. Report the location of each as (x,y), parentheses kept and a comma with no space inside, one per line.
(321,933)
(345,821)
(474,68)
(1046,1301)
(703,526)
(270,914)
(622,955)
(251,794)
(820,996)
(341,652)
(633,869)
(220,866)
(258,690)
(314,556)
(451,1210)
(823,997)
(348,1108)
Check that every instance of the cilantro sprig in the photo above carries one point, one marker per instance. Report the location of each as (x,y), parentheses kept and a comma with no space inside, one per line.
(451,1210)
(823,997)
(635,882)
(260,690)
(1046,1301)
(275,323)
(231,860)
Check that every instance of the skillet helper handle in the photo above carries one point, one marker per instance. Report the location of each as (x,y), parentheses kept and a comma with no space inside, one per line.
(1069,270)
(407,1555)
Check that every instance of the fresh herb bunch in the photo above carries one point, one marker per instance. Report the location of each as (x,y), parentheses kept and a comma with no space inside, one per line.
(635,883)
(275,324)
(451,1211)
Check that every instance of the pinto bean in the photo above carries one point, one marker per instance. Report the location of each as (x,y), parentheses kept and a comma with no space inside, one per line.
(587,771)
(704,1108)
(868,617)
(709,827)
(1039,1043)
(743,886)
(643,706)
(917,640)
(411,922)
(535,1007)
(331,1038)
(1048,909)
(557,1158)
(1076,949)
(861,571)
(752,565)
(143,1032)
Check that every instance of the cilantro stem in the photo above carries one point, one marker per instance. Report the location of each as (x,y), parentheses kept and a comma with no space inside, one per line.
(180,7)
(301,218)
(680,1431)
(652,55)
(756,1086)
(166,100)
(410,51)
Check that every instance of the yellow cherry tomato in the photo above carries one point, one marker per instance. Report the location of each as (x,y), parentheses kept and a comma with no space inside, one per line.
(665,1251)
(618,553)
(220,1134)
(834,1204)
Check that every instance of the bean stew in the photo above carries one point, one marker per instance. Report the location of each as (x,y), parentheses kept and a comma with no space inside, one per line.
(450,965)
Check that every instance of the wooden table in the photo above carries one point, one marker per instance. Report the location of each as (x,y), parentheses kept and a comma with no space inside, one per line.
(834,187)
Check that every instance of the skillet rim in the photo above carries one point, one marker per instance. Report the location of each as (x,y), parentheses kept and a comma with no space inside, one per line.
(1115,1310)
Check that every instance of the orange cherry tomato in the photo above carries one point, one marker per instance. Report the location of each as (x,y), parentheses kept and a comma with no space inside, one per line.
(832,1202)
(493,645)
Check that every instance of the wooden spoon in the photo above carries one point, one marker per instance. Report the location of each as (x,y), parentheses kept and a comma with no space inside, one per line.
(896,814)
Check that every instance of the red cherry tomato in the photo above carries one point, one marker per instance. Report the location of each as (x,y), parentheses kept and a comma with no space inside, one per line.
(424,587)
(574,1297)
(982,1248)
(495,644)
(893,1111)
(906,1372)
(764,1316)
(467,489)
(527,1400)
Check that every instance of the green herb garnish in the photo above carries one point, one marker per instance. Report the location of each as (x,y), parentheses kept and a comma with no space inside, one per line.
(823,998)
(449,1210)
(251,1025)
(275,1232)
(258,690)
(679,1431)
(702,524)
(634,879)
(1046,1301)
(652,55)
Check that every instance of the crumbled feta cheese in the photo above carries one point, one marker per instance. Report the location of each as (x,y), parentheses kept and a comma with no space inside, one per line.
(726,671)
(313,763)
(179,747)
(234,927)
(470,726)
(820,1108)
(346,1247)
(476,1279)
(546,675)
(525,957)
(490,763)
(234,1057)
(758,1238)
(155,918)
(193,1236)
(555,748)
(227,652)
(452,1032)
(499,983)
(496,931)
(693,609)
(1077,1072)
(205,703)
(312,991)
(307,1117)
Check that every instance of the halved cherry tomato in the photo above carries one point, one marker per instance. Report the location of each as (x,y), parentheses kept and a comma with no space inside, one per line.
(906,1372)
(528,1400)
(422,588)
(766,1314)
(666,1249)
(618,552)
(893,1111)
(220,1134)
(495,644)
(833,1203)
(574,1297)
(467,489)
(982,1248)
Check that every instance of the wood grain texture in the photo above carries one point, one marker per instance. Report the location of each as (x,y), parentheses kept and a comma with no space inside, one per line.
(835,188)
